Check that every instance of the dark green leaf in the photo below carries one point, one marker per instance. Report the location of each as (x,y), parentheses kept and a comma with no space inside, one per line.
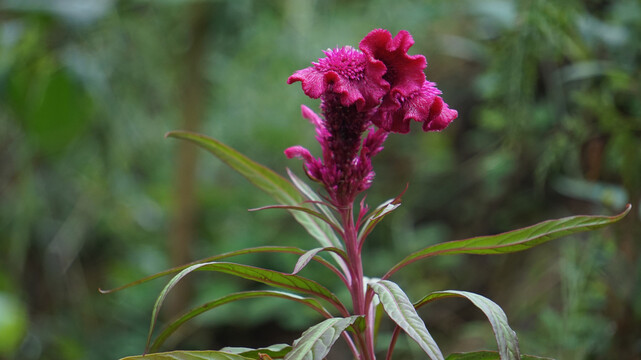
(487,355)
(316,341)
(189,355)
(265,179)
(399,308)
(478,355)
(265,276)
(261,249)
(275,351)
(171,328)
(306,210)
(379,213)
(506,338)
(312,196)
(513,241)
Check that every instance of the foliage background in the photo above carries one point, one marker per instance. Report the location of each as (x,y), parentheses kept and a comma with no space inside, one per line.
(92,195)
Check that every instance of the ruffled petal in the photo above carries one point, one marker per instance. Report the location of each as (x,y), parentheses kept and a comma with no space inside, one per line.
(344,71)
(424,106)
(440,116)
(313,81)
(404,72)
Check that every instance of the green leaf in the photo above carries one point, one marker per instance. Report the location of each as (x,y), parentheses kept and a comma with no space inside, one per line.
(172,327)
(399,308)
(309,255)
(506,338)
(265,179)
(312,196)
(379,213)
(487,355)
(513,241)
(189,355)
(161,298)
(478,355)
(275,351)
(316,341)
(265,276)
(306,210)
(260,249)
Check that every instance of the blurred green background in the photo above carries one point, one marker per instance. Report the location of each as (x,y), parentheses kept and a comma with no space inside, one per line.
(93,196)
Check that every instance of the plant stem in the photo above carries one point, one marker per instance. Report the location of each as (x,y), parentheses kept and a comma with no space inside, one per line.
(357,288)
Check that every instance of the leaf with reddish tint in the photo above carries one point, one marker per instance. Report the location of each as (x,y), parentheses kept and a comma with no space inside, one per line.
(272,352)
(255,250)
(513,241)
(265,276)
(173,326)
(265,179)
(189,355)
(311,254)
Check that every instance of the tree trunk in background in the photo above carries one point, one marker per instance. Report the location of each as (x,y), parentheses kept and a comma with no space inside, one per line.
(193,100)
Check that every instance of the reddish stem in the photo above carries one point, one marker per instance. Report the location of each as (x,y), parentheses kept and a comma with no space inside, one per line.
(357,288)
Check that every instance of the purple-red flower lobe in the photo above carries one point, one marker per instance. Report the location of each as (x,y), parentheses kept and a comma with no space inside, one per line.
(404,72)
(423,105)
(347,72)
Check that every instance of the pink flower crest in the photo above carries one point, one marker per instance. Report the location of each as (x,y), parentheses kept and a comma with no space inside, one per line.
(380,86)
(347,72)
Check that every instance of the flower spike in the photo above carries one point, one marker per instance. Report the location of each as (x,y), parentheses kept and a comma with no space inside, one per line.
(365,94)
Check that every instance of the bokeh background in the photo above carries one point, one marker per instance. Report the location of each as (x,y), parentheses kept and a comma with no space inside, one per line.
(93,196)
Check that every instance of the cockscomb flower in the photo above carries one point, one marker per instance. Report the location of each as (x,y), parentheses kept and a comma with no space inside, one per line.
(380,86)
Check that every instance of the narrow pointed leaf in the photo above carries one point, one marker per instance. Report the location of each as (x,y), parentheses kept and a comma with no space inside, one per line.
(311,195)
(255,250)
(189,355)
(304,209)
(379,213)
(506,338)
(488,355)
(265,179)
(172,327)
(399,308)
(316,341)
(265,276)
(309,256)
(275,351)
(161,298)
(513,241)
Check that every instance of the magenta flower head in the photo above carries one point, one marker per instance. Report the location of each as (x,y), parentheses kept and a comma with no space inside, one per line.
(379,86)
